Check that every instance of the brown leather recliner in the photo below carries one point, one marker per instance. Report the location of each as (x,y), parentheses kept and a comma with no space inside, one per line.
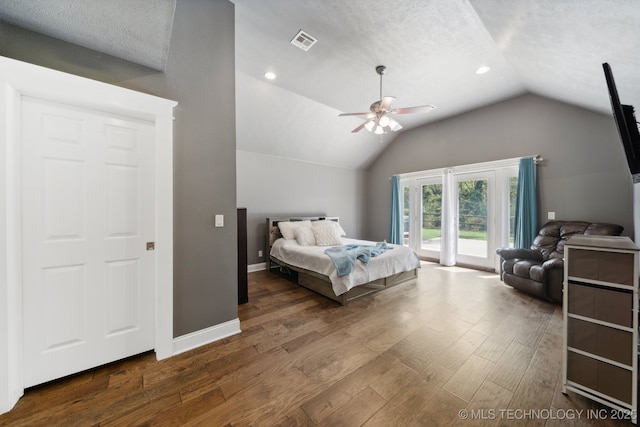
(540,270)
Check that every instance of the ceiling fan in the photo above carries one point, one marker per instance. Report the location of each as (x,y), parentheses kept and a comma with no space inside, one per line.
(377,119)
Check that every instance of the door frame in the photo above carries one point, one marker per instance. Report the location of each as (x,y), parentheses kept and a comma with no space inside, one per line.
(498,208)
(416,214)
(18,79)
(490,177)
(503,204)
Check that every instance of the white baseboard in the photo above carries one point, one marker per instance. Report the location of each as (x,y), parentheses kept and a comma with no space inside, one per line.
(205,336)
(256,267)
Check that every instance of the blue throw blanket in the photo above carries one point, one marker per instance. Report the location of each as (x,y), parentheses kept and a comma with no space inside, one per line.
(344,257)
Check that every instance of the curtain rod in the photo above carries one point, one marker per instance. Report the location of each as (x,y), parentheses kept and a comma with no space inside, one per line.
(537,159)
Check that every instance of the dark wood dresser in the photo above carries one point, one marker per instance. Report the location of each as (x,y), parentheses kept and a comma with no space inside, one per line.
(243,291)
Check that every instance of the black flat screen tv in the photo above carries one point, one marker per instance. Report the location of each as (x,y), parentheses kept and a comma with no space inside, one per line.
(627,124)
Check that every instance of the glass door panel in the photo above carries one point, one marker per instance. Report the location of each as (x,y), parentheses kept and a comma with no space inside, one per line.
(472,217)
(473,228)
(406,214)
(430,217)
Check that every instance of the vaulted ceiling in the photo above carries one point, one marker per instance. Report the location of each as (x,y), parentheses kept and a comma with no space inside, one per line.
(431,48)
(135,30)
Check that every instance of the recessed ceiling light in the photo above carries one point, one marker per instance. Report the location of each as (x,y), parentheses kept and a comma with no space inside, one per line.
(270,75)
(482,69)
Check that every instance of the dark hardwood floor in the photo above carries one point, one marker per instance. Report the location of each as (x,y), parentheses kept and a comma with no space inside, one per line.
(456,347)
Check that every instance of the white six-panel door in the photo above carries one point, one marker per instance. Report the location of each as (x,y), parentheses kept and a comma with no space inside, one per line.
(88,213)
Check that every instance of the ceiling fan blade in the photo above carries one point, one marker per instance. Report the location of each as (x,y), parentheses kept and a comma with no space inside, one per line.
(354,114)
(386,102)
(413,110)
(359,128)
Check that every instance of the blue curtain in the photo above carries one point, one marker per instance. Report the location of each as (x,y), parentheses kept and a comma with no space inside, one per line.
(526,222)
(396,212)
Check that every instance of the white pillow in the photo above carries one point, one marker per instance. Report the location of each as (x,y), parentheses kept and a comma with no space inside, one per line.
(334,224)
(304,236)
(288,228)
(326,234)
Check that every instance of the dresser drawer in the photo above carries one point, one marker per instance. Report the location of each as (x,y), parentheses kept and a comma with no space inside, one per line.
(607,305)
(610,267)
(600,376)
(603,341)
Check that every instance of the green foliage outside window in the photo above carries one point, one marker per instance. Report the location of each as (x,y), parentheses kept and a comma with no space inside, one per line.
(472,209)
(431,211)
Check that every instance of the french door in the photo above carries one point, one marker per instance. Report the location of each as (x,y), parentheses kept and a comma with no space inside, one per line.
(474,226)
(460,215)
(423,216)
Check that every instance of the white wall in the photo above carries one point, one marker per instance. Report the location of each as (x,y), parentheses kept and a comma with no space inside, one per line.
(271,186)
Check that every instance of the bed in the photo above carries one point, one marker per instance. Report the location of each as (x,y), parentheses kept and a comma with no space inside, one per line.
(307,264)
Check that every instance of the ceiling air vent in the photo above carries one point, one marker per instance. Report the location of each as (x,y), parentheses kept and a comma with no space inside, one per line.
(303,40)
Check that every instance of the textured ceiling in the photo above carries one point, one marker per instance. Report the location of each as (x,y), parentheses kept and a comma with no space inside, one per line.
(431,48)
(557,47)
(136,30)
(431,51)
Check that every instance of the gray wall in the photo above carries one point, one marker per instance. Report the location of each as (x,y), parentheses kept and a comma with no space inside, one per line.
(273,186)
(200,75)
(584,175)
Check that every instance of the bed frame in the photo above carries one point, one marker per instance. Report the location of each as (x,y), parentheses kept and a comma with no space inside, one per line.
(320,283)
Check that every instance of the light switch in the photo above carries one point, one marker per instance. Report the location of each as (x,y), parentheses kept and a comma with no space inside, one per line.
(219,221)
(551,215)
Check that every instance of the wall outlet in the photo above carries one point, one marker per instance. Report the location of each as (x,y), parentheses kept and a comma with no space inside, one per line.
(551,215)
(259,254)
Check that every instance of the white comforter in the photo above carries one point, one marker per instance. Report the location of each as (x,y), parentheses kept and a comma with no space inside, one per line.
(396,260)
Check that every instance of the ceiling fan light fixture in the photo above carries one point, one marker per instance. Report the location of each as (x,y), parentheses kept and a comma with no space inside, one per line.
(394,126)
(377,119)
(369,125)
